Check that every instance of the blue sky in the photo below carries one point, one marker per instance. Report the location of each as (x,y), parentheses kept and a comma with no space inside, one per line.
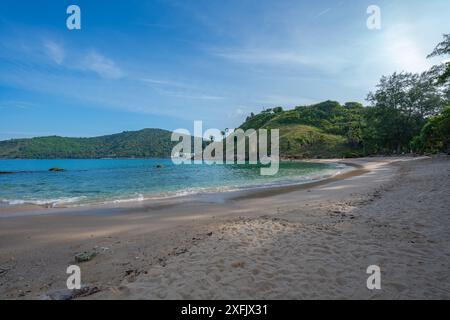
(165,63)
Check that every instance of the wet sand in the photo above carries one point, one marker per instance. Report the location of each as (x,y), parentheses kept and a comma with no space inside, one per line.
(296,242)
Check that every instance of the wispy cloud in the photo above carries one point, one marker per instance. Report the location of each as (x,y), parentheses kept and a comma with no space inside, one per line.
(261,56)
(160,82)
(323,12)
(179,90)
(16,105)
(103,66)
(54,51)
(290,57)
(47,51)
(182,94)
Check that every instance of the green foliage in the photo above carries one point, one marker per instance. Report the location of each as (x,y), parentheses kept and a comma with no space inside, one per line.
(277,109)
(309,142)
(322,130)
(435,134)
(400,106)
(442,72)
(329,116)
(143,143)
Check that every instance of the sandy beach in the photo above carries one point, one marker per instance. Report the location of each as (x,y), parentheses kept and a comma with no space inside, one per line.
(300,242)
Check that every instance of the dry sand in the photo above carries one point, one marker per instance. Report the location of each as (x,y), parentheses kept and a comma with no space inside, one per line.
(308,242)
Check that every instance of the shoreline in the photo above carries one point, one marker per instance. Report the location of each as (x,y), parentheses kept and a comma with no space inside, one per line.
(287,244)
(219,196)
(355,168)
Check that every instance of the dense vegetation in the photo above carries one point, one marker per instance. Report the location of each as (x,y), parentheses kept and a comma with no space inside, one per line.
(323,130)
(407,112)
(435,134)
(143,143)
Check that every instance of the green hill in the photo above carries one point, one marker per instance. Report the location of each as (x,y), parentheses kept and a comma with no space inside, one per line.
(143,143)
(323,130)
(309,142)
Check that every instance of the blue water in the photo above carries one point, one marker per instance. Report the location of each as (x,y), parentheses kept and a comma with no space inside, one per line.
(113,180)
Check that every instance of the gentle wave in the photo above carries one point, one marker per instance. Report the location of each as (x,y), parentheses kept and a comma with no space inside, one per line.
(119,197)
(53,203)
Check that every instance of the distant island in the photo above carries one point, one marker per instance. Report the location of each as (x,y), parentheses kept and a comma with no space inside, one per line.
(146,143)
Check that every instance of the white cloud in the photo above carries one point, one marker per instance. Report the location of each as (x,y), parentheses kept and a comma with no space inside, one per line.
(156,81)
(101,65)
(54,51)
(168,83)
(257,56)
(291,57)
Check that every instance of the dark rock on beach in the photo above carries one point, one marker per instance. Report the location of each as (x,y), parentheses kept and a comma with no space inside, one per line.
(66,294)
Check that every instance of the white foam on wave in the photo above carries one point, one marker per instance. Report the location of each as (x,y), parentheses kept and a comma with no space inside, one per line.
(140,197)
(78,201)
(54,203)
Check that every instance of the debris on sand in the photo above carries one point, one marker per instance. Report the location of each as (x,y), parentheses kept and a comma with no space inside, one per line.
(4,270)
(238,264)
(85,256)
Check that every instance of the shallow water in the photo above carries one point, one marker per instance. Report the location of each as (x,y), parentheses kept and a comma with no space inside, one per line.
(120,180)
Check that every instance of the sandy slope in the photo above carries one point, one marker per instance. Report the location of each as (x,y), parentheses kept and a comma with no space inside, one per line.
(323,251)
(300,243)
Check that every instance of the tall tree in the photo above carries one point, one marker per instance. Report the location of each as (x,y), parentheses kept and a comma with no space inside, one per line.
(442,71)
(399,106)
(435,134)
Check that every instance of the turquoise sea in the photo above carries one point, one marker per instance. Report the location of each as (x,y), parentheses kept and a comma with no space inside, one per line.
(119,180)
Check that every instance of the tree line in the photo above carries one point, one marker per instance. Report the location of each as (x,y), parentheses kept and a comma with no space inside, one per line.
(407,112)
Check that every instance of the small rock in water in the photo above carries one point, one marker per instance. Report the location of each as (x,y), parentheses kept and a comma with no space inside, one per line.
(160,166)
(85,256)
(56,170)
